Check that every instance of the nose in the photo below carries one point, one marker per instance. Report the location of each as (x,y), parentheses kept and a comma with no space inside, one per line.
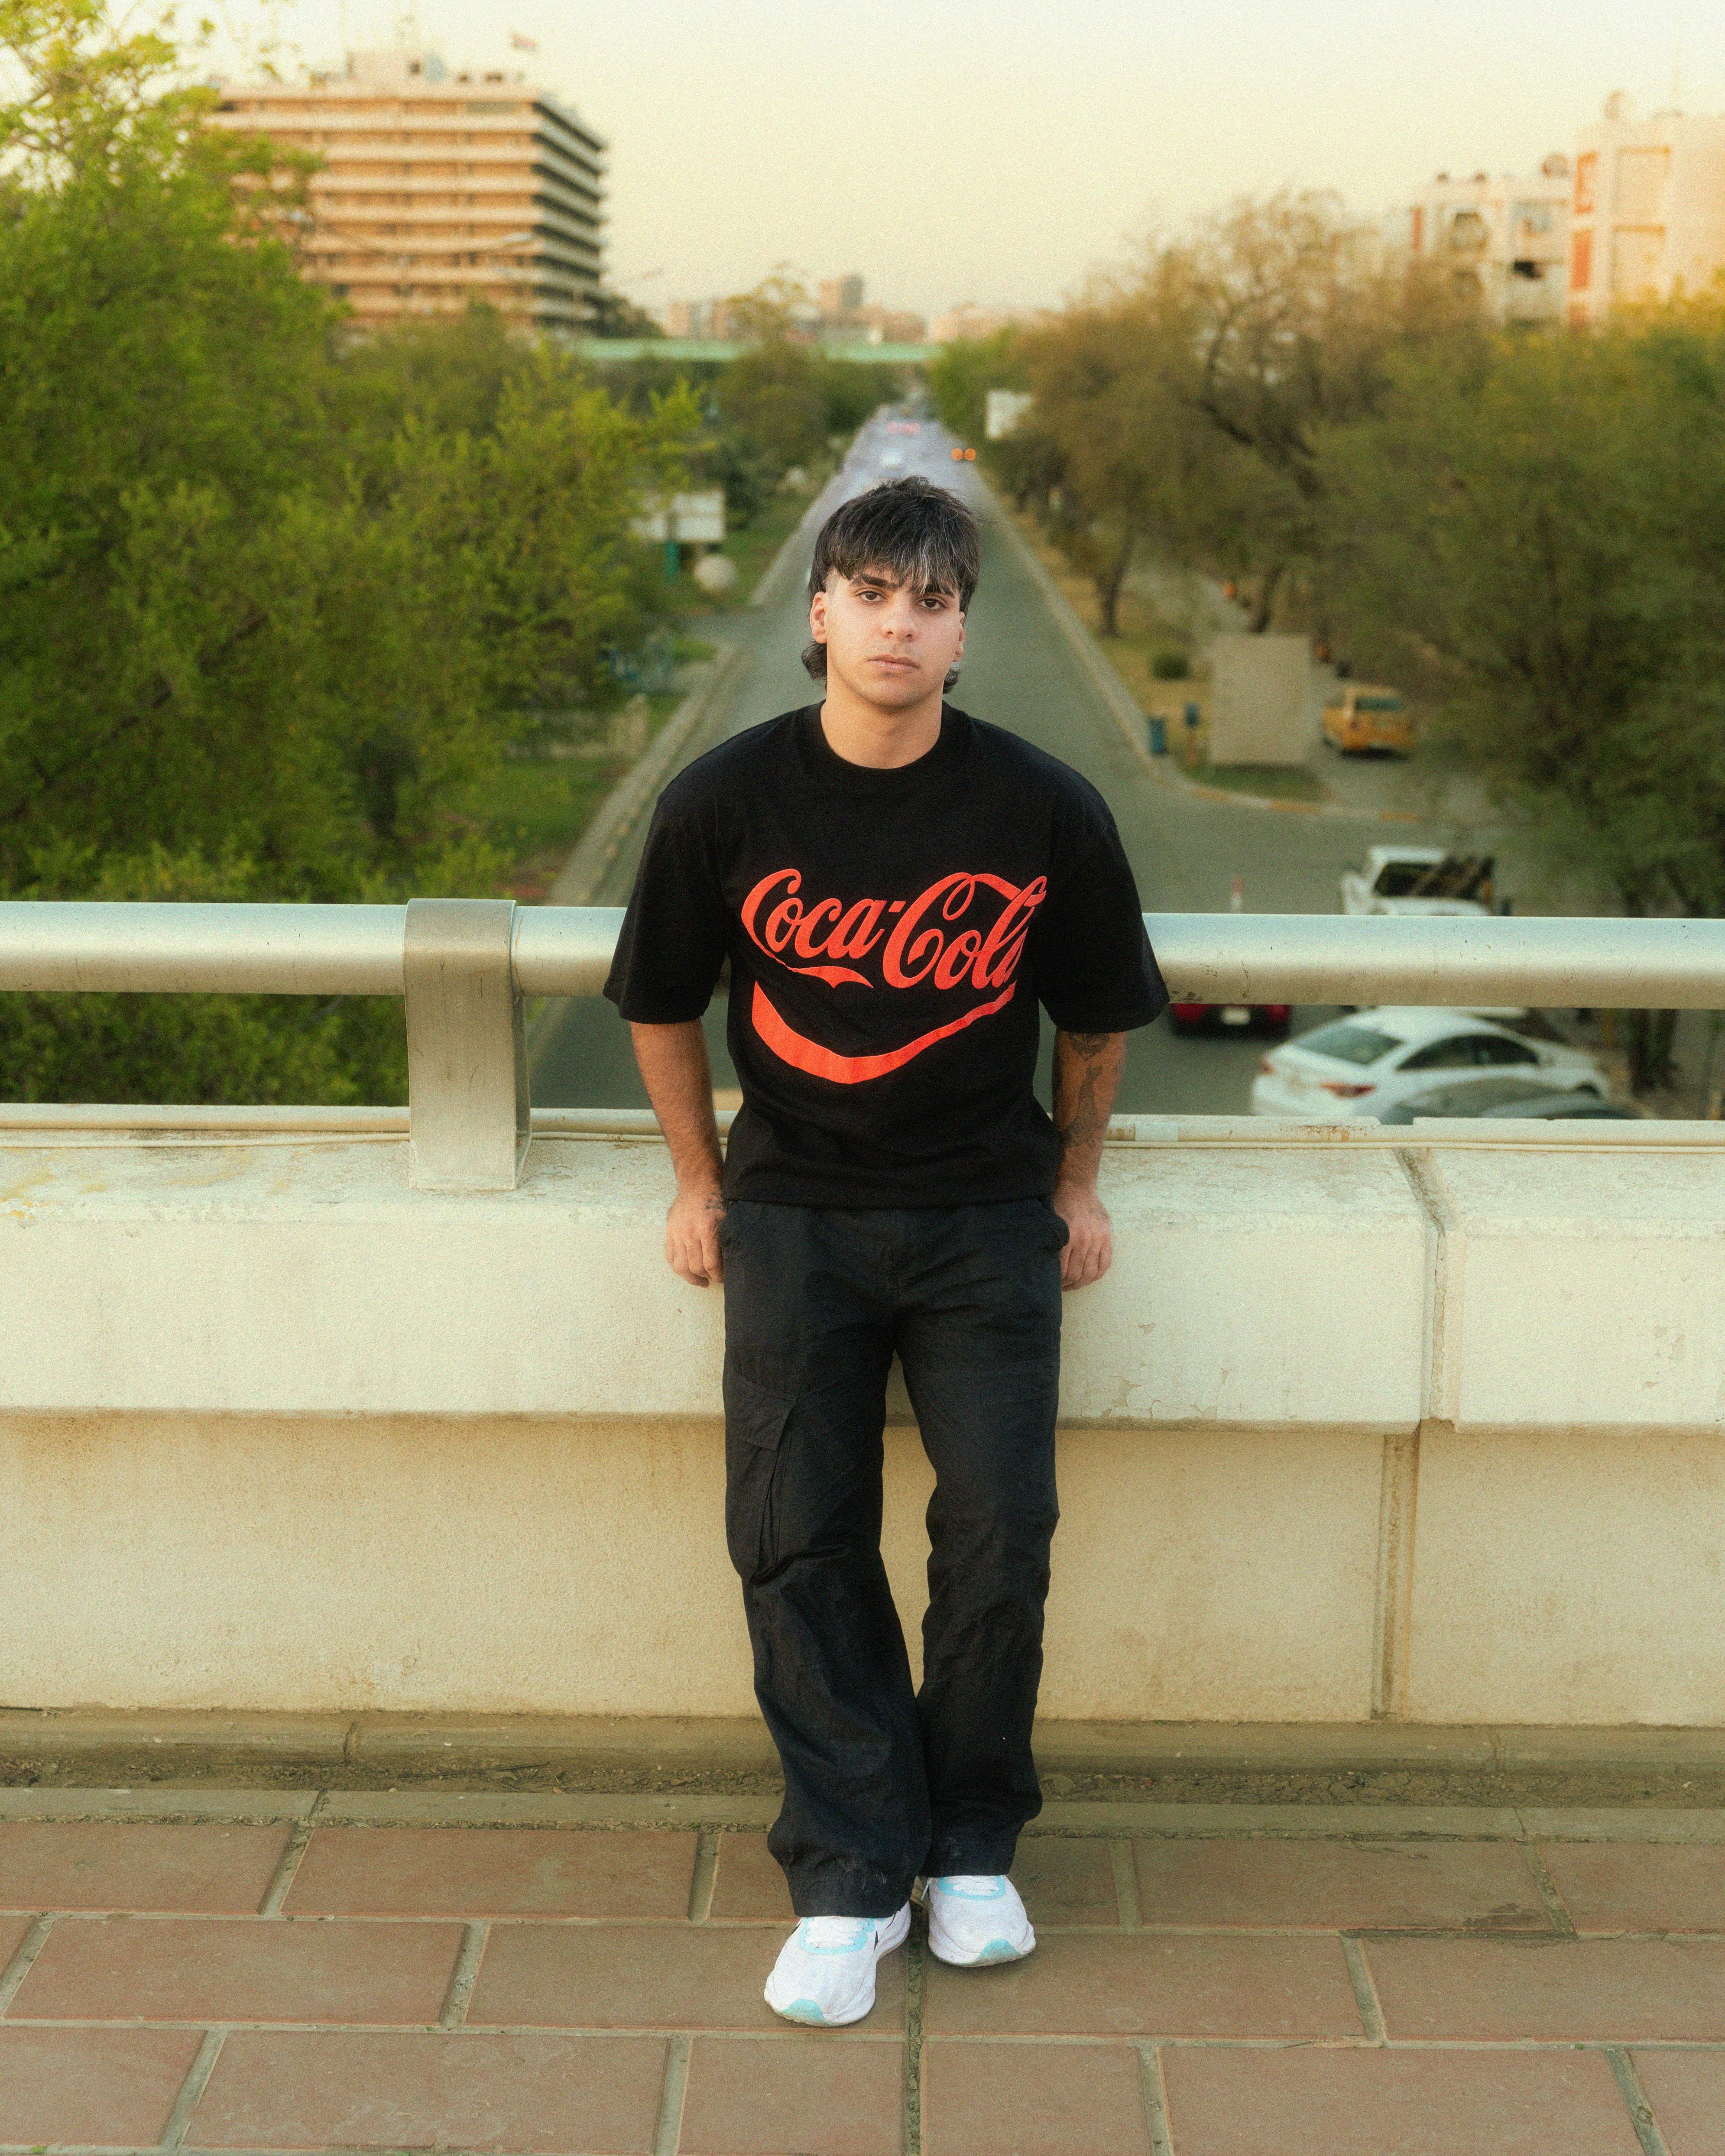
(900,616)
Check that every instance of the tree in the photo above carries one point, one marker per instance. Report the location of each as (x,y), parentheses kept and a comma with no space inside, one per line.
(1284,325)
(1137,468)
(1533,532)
(962,373)
(271,605)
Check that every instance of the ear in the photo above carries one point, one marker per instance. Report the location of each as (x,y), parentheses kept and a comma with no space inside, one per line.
(818,616)
(959,653)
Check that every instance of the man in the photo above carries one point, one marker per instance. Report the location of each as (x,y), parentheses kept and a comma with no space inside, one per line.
(895,887)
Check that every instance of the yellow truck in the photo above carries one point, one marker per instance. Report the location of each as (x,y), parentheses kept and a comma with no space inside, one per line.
(1363,716)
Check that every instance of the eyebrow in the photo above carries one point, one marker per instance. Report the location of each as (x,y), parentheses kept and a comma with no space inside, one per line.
(877,583)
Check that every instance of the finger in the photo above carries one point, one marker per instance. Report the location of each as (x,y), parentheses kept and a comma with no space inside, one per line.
(712,1257)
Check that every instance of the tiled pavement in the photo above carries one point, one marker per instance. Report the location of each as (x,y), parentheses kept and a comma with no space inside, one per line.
(291,1986)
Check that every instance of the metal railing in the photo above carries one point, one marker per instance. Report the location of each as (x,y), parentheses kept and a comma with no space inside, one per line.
(463,966)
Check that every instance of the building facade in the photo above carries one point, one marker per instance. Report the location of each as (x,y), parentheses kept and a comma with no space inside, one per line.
(1647,221)
(438,189)
(1505,239)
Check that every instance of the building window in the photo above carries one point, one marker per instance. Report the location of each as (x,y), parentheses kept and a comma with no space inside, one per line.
(1581,260)
(1587,167)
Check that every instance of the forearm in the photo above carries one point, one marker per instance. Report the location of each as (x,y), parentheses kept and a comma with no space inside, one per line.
(1086,1077)
(679,1079)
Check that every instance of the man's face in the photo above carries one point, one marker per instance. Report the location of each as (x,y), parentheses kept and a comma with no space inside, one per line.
(886,643)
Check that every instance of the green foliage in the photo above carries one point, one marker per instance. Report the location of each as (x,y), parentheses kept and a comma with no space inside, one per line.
(1169,665)
(186,1050)
(1532,532)
(960,375)
(271,603)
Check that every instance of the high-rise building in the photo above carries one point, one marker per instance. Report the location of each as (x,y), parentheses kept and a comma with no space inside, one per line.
(1647,221)
(1504,240)
(840,297)
(436,189)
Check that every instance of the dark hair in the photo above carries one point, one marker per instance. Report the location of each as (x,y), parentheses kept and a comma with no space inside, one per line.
(923,533)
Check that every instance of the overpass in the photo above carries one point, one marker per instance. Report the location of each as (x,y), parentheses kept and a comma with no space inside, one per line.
(399,1411)
(613,352)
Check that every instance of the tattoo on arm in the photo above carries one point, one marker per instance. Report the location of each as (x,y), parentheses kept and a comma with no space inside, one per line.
(1087,1067)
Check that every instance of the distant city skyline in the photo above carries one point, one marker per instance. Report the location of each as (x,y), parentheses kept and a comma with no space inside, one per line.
(998,154)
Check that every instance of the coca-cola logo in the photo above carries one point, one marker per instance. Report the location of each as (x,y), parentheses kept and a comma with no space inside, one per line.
(925,942)
(950,936)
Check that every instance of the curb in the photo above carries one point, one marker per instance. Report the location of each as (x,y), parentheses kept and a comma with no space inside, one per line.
(159,1803)
(1124,709)
(620,810)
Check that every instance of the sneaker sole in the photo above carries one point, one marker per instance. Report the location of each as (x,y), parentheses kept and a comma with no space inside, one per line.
(996,1951)
(808,2016)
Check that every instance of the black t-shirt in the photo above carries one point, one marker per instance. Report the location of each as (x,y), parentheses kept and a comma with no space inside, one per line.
(890,935)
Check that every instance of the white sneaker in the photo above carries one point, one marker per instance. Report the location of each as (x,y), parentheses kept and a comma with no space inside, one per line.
(825,1972)
(973,1920)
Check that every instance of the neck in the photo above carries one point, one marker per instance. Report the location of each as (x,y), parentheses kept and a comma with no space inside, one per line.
(862,732)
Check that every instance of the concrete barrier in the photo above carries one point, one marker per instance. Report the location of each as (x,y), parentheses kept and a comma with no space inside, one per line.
(1425,1435)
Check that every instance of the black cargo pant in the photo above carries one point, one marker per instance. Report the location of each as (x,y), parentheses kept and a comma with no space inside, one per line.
(880,1782)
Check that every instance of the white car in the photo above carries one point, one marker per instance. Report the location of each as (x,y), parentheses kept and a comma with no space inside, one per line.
(1375,1059)
(1417,879)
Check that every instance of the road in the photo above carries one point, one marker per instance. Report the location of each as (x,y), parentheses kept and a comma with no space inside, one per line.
(1019,673)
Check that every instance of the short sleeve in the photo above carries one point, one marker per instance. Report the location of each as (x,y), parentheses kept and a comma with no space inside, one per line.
(1096,972)
(673,937)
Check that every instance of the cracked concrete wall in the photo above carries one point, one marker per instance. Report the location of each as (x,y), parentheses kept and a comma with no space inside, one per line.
(1347,1432)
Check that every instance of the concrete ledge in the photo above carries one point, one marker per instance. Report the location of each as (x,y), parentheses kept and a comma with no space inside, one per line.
(372,1761)
(1366,1436)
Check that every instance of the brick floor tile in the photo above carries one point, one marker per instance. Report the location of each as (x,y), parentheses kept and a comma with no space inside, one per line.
(479,1871)
(1640,1886)
(748,1885)
(1686,2090)
(1331,1885)
(644,1976)
(1395,2103)
(1558,1991)
(12,1936)
(189,1969)
(1034,2100)
(80,2086)
(1066,1883)
(341,2089)
(1146,1983)
(793,2096)
(193,1869)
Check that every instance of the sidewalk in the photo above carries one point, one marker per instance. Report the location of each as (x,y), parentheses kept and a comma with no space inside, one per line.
(1403,1982)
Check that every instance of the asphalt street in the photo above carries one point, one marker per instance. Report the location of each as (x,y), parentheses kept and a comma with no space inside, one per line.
(1019,672)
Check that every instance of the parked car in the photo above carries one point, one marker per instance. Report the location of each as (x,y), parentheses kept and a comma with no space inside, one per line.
(1375,1059)
(1509,1095)
(1364,717)
(1273,1019)
(1418,880)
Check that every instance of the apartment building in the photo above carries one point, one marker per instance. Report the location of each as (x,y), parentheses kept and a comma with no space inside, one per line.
(1647,220)
(439,189)
(1505,239)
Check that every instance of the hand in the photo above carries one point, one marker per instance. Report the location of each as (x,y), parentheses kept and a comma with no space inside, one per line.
(1090,1239)
(691,1235)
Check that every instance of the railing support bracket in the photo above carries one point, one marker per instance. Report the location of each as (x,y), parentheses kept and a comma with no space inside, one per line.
(469,1117)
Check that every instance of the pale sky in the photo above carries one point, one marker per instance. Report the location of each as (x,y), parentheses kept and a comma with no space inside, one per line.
(950,150)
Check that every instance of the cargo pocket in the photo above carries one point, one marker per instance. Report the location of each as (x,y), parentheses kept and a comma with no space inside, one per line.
(755,1416)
